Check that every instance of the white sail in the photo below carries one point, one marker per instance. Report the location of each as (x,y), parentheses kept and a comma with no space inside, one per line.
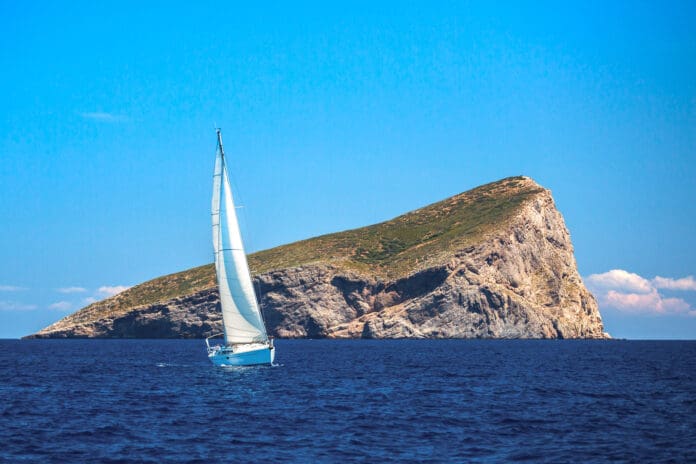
(241,317)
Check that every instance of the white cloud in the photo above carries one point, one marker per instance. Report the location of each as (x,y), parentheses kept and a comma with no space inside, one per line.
(685,283)
(112,290)
(61,306)
(11,288)
(651,302)
(72,290)
(631,293)
(104,117)
(14,306)
(89,300)
(621,280)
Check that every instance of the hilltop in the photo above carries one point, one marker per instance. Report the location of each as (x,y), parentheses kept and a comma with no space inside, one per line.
(499,253)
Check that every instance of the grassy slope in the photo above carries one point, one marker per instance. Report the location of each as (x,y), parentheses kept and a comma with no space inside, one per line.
(399,246)
(389,249)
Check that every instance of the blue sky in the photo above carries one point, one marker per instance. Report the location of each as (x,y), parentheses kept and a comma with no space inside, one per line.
(338,116)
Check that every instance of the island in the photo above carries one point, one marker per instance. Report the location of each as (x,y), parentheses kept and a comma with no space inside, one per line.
(493,262)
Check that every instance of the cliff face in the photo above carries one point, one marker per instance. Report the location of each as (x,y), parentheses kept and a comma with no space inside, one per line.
(520,282)
(495,262)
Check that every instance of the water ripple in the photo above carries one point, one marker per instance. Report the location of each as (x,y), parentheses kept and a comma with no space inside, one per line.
(348,401)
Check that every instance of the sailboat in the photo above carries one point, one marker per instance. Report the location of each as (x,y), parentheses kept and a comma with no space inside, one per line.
(246,341)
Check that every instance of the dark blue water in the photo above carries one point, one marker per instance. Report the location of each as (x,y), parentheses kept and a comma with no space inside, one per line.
(337,401)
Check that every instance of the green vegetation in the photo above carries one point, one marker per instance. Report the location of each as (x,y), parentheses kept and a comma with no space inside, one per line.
(411,241)
(150,292)
(170,286)
(389,249)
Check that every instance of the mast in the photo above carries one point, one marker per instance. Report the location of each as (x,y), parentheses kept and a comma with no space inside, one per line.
(219,137)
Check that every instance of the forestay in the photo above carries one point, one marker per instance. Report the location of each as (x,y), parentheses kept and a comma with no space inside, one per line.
(241,317)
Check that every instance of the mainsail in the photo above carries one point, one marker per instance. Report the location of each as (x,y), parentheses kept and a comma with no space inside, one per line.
(241,317)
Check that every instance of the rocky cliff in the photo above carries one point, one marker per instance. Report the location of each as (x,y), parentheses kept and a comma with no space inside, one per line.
(493,262)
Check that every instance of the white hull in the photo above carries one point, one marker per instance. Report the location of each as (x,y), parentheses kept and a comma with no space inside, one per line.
(242,355)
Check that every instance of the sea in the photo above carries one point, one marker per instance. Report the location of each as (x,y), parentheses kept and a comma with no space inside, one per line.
(69,401)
